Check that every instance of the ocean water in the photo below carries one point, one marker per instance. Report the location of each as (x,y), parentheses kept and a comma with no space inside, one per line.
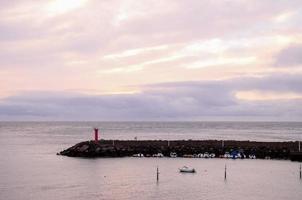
(31,170)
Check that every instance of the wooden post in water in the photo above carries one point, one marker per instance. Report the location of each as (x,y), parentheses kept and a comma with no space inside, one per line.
(225,172)
(168,139)
(300,172)
(157,174)
(299,146)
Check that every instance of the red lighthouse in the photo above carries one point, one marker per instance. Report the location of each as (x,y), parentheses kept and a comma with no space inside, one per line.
(96,134)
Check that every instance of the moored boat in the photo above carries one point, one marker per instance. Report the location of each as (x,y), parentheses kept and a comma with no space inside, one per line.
(252,156)
(138,155)
(173,155)
(186,169)
(200,155)
(206,155)
(158,155)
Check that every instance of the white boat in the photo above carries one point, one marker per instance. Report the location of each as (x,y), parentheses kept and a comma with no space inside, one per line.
(200,155)
(138,155)
(238,155)
(227,155)
(206,155)
(186,169)
(158,155)
(173,155)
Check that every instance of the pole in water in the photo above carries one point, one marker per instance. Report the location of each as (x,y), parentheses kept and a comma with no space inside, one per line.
(300,172)
(157,174)
(299,146)
(225,172)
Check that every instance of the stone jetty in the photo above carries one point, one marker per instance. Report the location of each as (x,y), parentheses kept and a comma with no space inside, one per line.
(184,148)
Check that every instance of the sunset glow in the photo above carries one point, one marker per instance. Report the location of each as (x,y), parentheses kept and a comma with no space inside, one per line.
(237,53)
(57,7)
(266,96)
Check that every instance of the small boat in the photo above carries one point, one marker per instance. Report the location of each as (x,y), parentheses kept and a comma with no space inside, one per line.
(186,169)
(227,155)
(173,155)
(158,155)
(206,155)
(235,155)
(200,155)
(138,155)
(239,155)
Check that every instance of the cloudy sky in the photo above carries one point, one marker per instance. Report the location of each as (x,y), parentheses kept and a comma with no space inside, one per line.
(151,60)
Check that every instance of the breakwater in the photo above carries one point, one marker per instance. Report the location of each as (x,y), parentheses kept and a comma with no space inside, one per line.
(185,148)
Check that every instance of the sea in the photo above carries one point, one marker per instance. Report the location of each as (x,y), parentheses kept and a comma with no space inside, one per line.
(31,170)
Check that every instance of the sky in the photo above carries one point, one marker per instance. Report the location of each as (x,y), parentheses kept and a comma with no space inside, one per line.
(125,60)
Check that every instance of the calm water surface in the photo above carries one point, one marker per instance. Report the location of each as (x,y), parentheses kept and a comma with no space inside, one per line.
(29,168)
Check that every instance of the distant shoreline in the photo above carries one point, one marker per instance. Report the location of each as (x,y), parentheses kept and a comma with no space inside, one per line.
(288,150)
(173,121)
